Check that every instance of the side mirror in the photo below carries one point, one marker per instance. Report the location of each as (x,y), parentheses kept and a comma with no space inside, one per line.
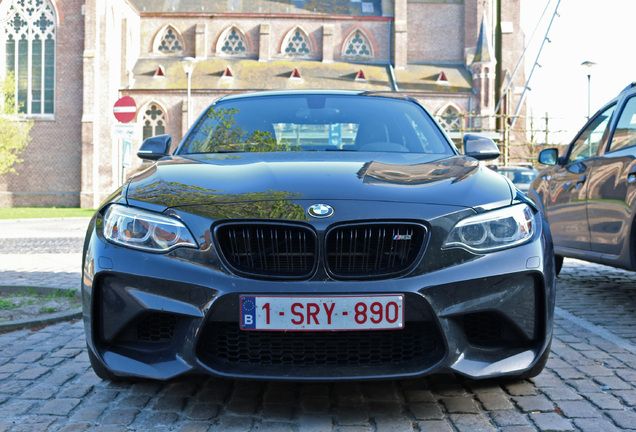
(549,156)
(480,148)
(154,148)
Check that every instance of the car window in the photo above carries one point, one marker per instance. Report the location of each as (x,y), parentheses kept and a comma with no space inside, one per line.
(625,133)
(520,176)
(588,142)
(316,123)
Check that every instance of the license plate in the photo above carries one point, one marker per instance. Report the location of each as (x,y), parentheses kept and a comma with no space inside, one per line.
(318,313)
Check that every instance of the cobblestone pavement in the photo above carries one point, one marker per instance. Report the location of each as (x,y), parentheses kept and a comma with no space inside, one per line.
(42,252)
(589,384)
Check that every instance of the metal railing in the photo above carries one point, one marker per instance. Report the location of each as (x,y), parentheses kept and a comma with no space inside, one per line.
(520,140)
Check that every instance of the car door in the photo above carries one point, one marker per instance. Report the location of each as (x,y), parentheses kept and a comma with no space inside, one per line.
(612,186)
(565,205)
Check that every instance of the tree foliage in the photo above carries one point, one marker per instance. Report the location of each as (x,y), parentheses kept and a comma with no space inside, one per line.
(14,132)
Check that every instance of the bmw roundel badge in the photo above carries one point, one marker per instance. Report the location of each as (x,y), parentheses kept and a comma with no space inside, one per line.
(320,211)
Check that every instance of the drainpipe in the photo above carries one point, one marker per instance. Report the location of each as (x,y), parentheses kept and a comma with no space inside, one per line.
(390,64)
(393,80)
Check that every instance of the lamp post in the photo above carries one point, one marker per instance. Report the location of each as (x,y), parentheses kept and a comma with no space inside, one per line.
(588,64)
(188,67)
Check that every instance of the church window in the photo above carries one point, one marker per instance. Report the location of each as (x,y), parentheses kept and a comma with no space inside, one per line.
(297,44)
(169,42)
(451,119)
(357,46)
(154,121)
(29,36)
(233,42)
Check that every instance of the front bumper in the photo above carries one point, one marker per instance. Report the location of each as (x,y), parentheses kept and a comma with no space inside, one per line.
(160,316)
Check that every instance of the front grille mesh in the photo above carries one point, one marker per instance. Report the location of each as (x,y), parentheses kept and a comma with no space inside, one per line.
(482,328)
(157,327)
(224,344)
(352,251)
(490,329)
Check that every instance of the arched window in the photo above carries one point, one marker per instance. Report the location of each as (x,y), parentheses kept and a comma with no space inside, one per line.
(357,46)
(30,54)
(297,44)
(232,42)
(154,120)
(169,41)
(450,119)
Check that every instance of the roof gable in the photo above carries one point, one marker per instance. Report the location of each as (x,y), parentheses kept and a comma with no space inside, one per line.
(292,7)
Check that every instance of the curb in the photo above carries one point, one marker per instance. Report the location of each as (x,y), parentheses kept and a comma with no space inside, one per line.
(40,321)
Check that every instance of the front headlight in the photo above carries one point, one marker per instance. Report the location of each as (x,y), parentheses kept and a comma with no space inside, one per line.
(494,230)
(140,229)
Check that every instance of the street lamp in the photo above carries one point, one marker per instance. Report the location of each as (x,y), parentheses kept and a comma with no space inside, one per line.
(188,67)
(588,64)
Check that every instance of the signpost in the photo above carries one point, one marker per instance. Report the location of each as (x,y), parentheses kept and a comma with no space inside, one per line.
(125,110)
(126,158)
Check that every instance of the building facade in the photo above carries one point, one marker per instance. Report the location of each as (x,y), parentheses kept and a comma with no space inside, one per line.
(74,59)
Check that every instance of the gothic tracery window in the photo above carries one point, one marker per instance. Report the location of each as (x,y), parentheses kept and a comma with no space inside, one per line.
(154,121)
(233,42)
(169,42)
(30,54)
(297,44)
(451,119)
(357,46)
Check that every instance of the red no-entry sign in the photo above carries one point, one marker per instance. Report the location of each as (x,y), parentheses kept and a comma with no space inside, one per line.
(125,109)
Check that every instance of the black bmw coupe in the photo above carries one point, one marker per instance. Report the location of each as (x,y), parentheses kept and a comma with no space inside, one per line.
(317,235)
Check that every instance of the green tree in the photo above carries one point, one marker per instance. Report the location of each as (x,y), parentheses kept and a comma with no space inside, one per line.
(14,132)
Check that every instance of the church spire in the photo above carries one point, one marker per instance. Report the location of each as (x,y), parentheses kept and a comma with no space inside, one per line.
(483,52)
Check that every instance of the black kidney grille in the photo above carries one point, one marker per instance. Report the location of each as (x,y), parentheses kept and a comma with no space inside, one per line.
(268,250)
(373,250)
(224,343)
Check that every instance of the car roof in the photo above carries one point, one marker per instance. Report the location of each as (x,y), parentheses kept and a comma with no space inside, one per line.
(628,88)
(334,92)
(513,168)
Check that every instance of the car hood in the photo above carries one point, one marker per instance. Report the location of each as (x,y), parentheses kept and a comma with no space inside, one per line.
(387,177)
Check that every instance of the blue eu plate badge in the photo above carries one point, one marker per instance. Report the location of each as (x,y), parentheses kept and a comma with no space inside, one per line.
(248,313)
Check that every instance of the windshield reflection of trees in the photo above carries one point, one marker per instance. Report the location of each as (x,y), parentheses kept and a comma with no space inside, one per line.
(217,131)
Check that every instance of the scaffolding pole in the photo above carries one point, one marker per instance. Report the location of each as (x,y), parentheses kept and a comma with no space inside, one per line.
(536,63)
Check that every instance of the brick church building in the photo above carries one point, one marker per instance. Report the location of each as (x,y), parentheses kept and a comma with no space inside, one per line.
(73,59)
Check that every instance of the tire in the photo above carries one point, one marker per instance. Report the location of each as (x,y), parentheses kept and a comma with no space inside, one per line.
(99,368)
(558,264)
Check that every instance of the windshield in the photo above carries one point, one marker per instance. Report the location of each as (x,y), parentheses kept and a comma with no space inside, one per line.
(315,123)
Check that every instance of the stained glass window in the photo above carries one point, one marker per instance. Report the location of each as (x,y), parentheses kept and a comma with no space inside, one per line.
(30,54)
(154,122)
(169,42)
(233,42)
(297,44)
(357,46)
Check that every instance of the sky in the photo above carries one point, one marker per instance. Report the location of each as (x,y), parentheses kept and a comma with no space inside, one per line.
(586,30)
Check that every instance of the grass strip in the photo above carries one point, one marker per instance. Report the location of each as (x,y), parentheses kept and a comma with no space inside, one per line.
(43,212)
